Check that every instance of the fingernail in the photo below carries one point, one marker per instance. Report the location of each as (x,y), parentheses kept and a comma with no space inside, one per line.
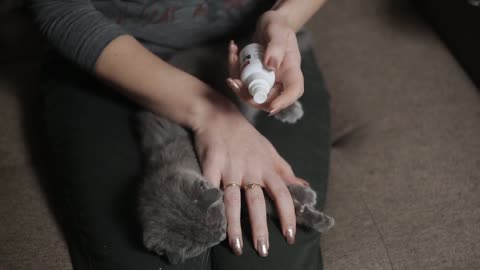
(236,246)
(290,235)
(274,111)
(272,63)
(232,84)
(262,247)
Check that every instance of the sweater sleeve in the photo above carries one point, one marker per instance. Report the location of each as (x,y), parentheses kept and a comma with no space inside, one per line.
(75,28)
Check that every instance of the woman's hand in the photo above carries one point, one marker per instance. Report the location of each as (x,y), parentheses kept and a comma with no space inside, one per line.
(281,54)
(231,150)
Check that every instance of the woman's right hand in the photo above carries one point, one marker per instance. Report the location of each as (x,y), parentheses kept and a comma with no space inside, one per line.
(231,150)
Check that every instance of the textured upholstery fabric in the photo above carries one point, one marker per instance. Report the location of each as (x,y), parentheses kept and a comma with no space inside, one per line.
(404,185)
(405,171)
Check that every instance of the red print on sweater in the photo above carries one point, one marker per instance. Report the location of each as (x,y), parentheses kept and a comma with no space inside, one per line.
(200,10)
(157,15)
(168,15)
(234,3)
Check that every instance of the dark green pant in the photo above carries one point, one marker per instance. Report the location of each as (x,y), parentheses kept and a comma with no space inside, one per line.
(96,166)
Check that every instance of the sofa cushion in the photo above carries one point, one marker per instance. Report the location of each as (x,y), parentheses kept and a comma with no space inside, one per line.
(405,176)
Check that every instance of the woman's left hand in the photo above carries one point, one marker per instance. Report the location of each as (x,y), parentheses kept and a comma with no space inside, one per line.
(281,55)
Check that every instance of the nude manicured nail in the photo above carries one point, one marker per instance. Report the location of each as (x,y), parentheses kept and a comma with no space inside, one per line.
(232,84)
(236,246)
(274,111)
(290,235)
(272,63)
(262,247)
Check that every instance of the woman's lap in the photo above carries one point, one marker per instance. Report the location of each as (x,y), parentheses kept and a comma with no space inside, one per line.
(97,165)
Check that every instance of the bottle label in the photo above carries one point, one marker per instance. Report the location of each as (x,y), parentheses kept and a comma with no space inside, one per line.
(251,53)
(246,63)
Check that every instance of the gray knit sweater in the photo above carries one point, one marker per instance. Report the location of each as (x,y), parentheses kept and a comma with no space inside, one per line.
(80,29)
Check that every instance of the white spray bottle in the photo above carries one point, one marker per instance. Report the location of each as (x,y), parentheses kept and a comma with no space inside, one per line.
(258,79)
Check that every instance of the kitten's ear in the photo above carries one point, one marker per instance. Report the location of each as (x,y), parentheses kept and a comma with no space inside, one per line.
(176,257)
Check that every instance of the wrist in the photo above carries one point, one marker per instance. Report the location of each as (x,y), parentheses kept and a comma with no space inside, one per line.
(297,13)
(212,108)
(188,101)
(284,14)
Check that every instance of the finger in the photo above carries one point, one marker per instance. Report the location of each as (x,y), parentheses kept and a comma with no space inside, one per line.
(232,200)
(211,169)
(240,84)
(276,44)
(274,92)
(285,207)
(258,218)
(233,64)
(292,80)
(238,88)
(303,181)
(287,174)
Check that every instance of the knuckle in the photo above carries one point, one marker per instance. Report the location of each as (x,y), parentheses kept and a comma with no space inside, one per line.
(212,160)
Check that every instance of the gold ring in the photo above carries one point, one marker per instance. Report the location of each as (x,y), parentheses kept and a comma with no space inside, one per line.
(230,185)
(251,185)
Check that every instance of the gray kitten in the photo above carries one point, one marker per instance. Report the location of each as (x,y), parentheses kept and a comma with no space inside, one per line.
(182,214)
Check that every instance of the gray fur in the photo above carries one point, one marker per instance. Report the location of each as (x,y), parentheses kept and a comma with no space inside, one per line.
(182,214)
(290,114)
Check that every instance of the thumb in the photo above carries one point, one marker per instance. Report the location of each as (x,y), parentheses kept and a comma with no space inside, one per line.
(275,47)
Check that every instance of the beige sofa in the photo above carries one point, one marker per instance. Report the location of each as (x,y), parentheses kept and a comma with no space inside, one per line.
(405,178)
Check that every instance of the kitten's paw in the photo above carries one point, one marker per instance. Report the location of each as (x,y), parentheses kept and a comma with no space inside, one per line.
(303,195)
(304,200)
(290,114)
(315,219)
(182,215)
